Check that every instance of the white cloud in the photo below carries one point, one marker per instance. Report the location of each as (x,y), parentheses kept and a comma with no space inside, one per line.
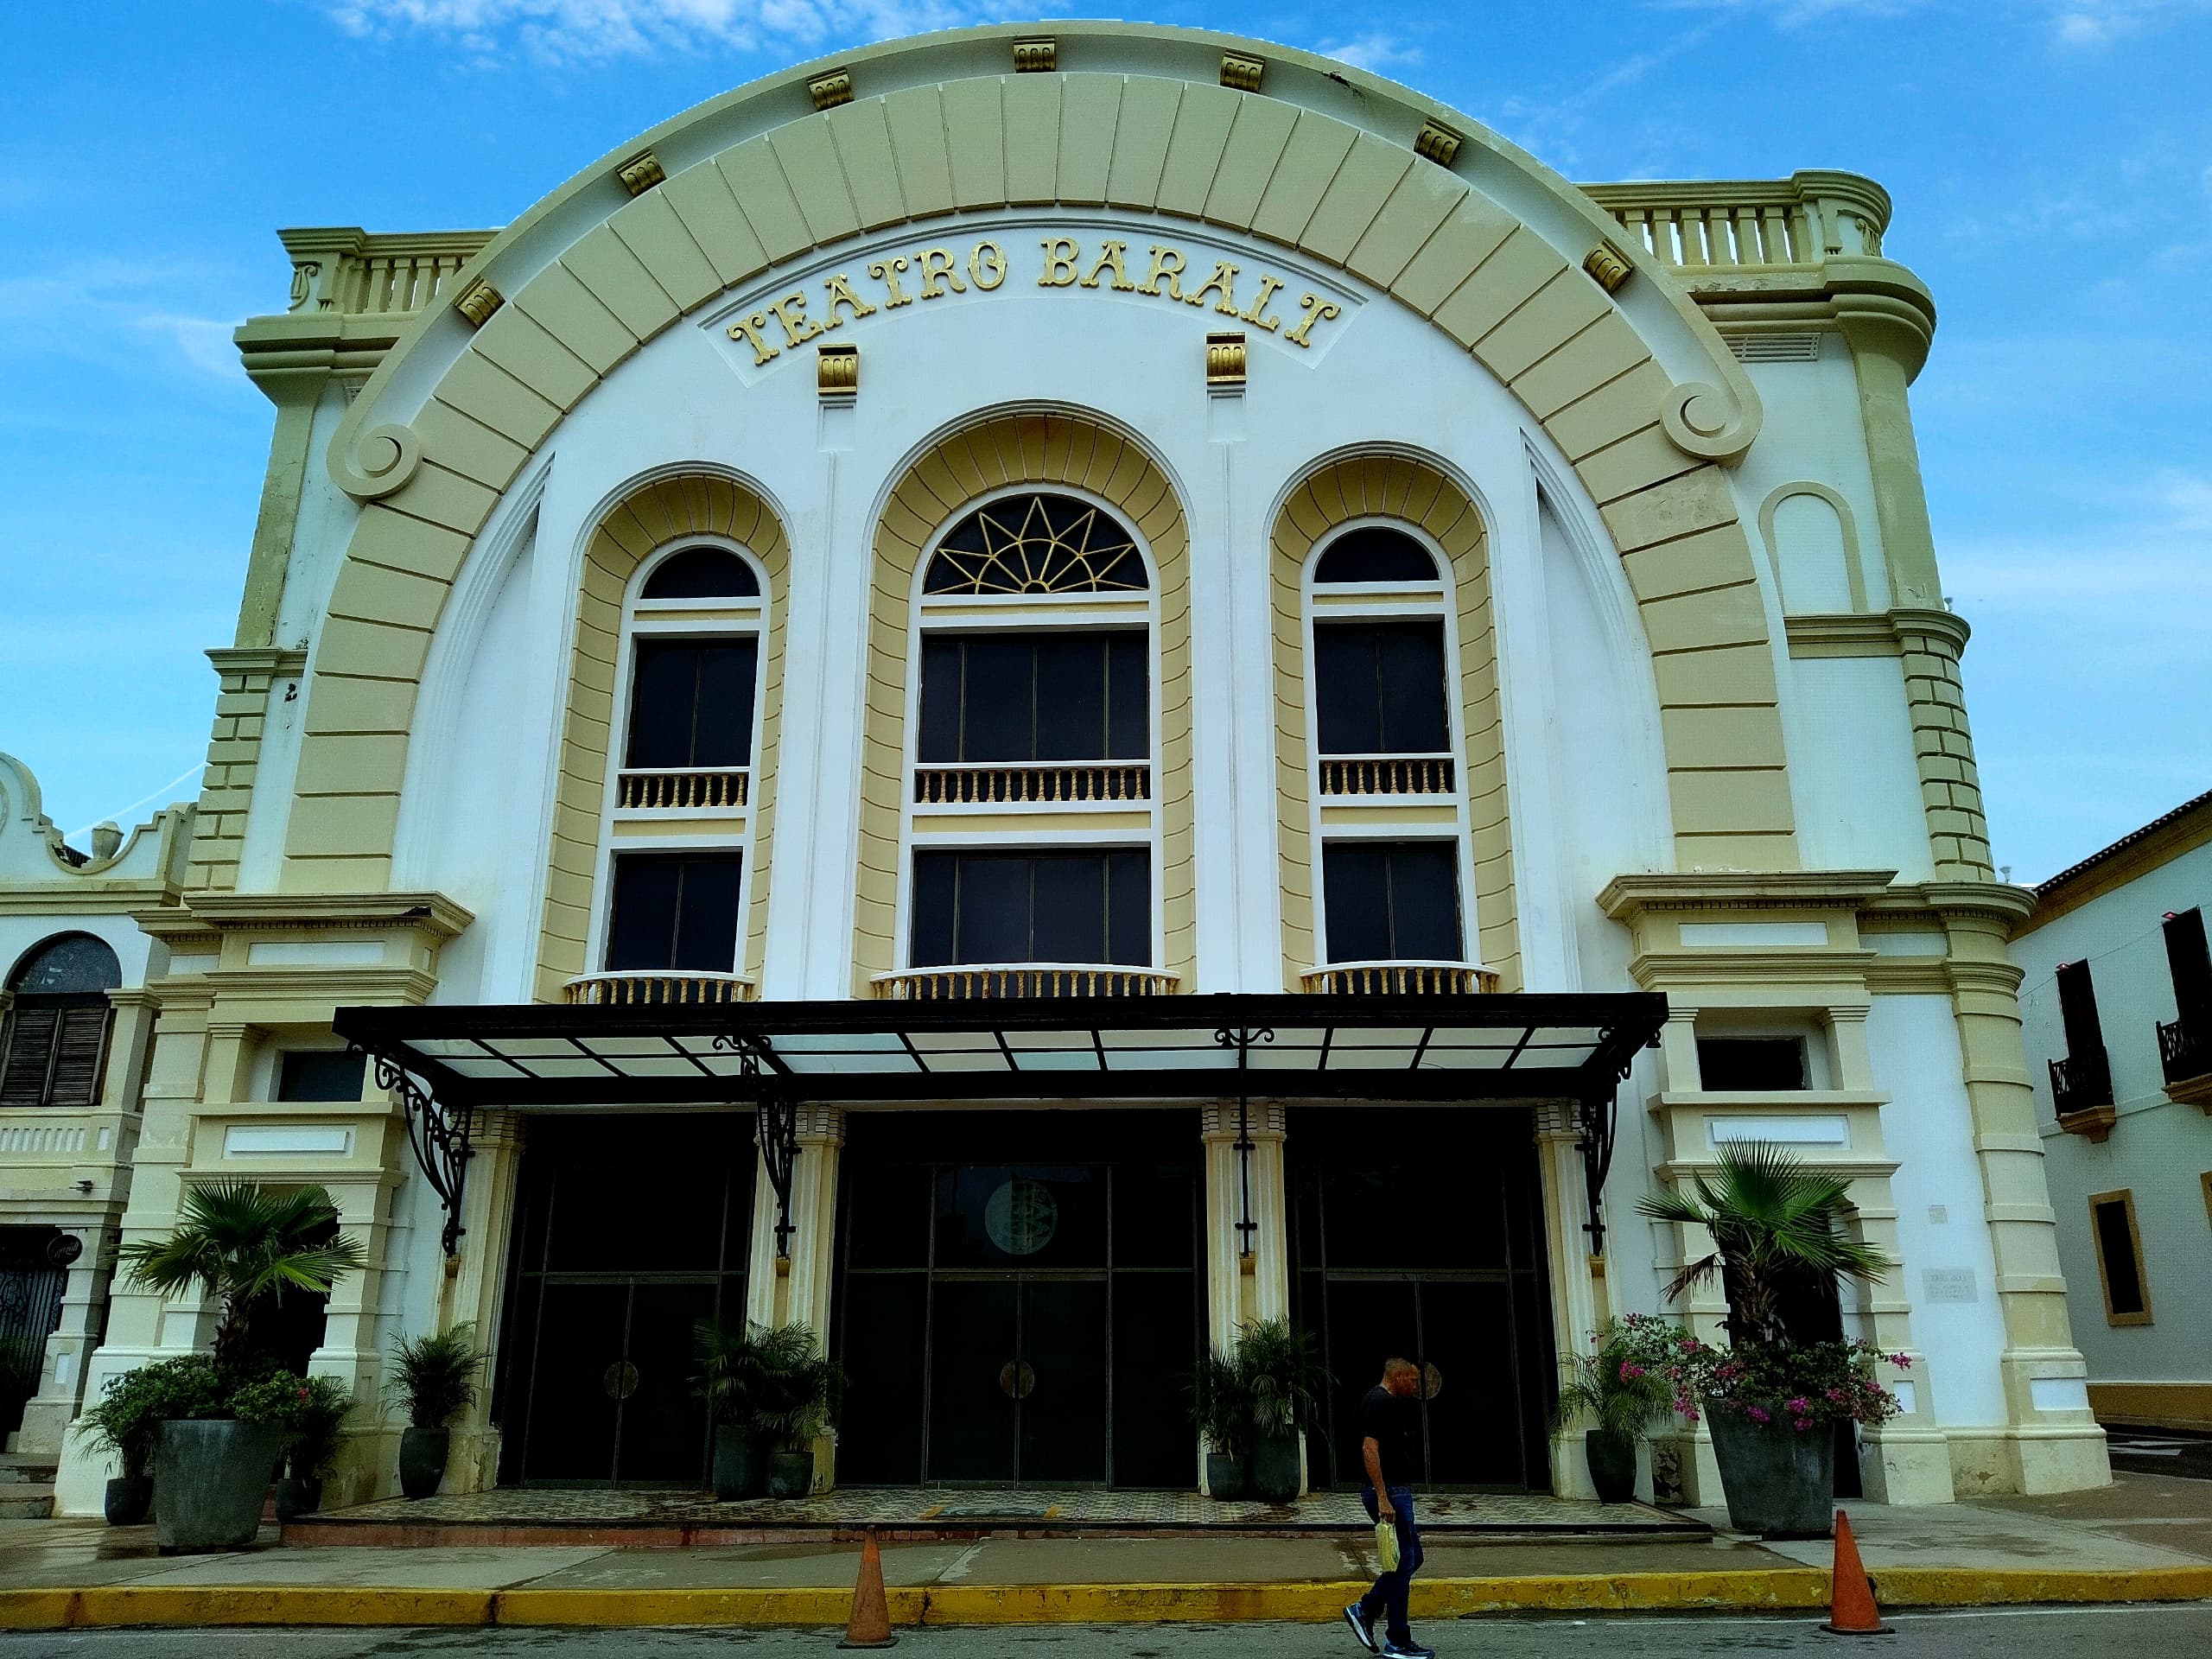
(594,30)
(108,308)
(2074,23)
(1375,51)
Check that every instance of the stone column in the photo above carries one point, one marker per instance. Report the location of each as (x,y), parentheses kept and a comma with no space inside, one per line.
(1581,1294)
(1889,340)
(795,1289)
(350,1350)
(2051,1442)
(1244,1283)
(471,1285)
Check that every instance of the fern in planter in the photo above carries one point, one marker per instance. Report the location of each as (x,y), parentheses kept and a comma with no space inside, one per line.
(790,1406)
(433,1380)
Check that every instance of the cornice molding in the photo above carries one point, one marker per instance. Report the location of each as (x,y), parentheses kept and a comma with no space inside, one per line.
(430,913)
(1626,896)
(1800,965)
(277,665)
(328,987)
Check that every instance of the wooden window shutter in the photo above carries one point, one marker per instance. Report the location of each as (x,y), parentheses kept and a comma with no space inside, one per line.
(78,1050)
(31,1055)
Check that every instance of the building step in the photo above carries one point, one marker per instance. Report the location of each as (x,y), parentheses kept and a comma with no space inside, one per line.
(23,1501)
(36,1468)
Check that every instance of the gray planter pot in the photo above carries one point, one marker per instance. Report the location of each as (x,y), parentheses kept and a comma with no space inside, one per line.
(740,1471)
(129,1499)
(1225,1475)
(422,1460)
(1612,1465)
(297,1495)
(1274,1469)
(209,1480)
(1780,1484)
(790,1473)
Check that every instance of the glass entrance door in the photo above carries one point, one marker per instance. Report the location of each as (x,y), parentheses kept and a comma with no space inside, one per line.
(629,1232)
(1419,1237)
(1007,1322)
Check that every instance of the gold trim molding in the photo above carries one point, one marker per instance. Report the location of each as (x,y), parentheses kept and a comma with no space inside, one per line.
(478,301)
(831,90)
(1242,75)
(1437,143)
(1040,57)
(641,173)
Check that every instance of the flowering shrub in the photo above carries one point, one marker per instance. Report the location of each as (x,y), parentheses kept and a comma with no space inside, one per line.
(1635,1373)
(1807,1385)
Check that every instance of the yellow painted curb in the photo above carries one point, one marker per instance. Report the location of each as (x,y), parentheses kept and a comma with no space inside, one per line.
(1780,1589)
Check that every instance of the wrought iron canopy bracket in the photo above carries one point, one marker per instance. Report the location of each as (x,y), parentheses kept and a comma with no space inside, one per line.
(1240,1038)
(775,1113)
(439,1136)
(1598,1115)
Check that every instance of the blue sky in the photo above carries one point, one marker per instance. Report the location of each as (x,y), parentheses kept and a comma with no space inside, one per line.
(2051,161)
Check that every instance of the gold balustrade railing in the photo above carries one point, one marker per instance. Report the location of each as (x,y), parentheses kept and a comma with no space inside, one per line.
(671,986)
(980,981)
(1389,774)
(637,788)
(1400,979)
(1120,782)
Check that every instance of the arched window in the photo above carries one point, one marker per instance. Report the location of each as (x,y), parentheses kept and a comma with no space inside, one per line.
(692,646)
(58,1023)
(1374,554)
(1035,653)
(1379,687)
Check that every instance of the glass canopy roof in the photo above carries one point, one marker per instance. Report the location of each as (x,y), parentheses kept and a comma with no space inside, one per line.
(1455,1048)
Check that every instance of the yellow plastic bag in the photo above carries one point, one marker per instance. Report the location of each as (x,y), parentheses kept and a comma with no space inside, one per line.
(1386,1545)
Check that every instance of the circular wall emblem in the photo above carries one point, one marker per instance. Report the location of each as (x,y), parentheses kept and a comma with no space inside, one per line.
(1021,1217)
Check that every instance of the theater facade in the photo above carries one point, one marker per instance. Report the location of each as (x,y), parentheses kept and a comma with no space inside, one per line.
(1030,692)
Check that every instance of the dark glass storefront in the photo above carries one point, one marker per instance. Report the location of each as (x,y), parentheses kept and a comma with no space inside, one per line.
(1019,1301)
(628,1231)
(1420,1233)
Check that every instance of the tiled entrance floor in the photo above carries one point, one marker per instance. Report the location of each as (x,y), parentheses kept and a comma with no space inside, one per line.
(539,1515)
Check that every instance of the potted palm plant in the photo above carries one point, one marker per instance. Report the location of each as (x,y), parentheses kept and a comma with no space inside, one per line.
(1774,1227)
(729,1381)
(790,1405)
(125,1423)
(1221,1406)
(244,1246)
(317,1433)
(433,1380)
(1283,1381)
(1633,1374)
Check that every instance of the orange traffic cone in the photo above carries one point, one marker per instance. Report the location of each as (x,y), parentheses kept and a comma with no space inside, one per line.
(869,1626)
(1852,1610)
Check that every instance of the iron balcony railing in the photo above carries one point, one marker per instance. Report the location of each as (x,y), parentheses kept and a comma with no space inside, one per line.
(1388,774)
(1119,783)
(971,981)
(2081,1082)
(1400,979)
(2185,1045)
(672,985)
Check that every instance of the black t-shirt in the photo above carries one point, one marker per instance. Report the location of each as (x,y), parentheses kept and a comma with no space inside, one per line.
(1394,1426)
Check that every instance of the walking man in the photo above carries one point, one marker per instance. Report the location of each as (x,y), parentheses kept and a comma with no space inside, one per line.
(1389,1447)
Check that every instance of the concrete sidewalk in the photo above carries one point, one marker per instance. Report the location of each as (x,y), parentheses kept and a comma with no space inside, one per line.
(2145,1538)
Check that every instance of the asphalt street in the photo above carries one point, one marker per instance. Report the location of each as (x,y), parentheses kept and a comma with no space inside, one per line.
(2142,1632)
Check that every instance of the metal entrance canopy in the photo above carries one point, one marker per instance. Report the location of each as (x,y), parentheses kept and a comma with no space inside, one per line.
(773,1057)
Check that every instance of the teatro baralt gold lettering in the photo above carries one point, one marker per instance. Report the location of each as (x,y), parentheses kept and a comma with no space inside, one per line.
(784,325)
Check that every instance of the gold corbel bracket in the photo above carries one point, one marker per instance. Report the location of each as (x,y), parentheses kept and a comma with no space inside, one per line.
(837,373)
(828,91)
(640,173)
(1608,267)
(478,301)
(1437,144)
(1036,57)
(1242,75)
(1225,369)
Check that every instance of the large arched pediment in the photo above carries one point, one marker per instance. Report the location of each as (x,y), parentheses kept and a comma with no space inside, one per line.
(1404,204)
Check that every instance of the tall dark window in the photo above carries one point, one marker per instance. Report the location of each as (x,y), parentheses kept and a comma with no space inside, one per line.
(691,703)
(1392,902)
(319,1074)
(2119,1258)
(2077,1007)
(993,907)
(675,911)
(2191,966)
(1375,553)
(56,1041)
(1763,1064)
(1378,687)
(1034,696)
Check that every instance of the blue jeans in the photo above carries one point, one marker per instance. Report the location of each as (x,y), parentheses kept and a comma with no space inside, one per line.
(1388,1598)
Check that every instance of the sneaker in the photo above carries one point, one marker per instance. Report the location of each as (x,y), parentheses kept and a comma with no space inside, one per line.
(1356,1616)
(1409,1648)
